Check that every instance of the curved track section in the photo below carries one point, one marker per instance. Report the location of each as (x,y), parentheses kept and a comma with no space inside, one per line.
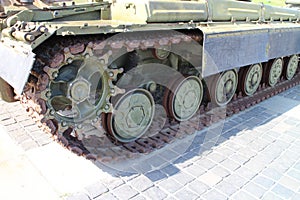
(65,72)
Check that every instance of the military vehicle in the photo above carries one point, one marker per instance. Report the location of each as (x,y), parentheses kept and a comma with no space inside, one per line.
(109,63)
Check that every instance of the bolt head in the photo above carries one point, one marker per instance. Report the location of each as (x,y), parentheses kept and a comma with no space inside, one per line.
(102,61)
(55,74)
(111,74)
(48,94)
(64,123)
(69,60)
(107,106)
(112,90)
(52,112)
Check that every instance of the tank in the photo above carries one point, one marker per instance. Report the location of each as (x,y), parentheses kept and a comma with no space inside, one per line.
(117,64)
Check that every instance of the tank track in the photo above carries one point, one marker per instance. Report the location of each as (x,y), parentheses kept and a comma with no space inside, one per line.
(101,146)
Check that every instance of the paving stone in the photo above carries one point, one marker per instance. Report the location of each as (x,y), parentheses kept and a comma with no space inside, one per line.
(156,175)
(272,173)
(78,196)
(210,179)
(198,187)
(227,188)
(106,196)
(156,162)
(124,192)
(295,174)
(182,162)
(297,166)
(29,144)
(255,164)
(185,194)
(246,152)
(169,155)
(155,193)
(233,145)
(242,195)
(220,171)
(290,183)
(291,156)
(240,159)
(230,164)
(231,133)
(139,197)
(246,172)
(170,198)
(296,197)
(113,183)
(206,163)
(194,170)
(170,185)
(183,178)
(216,157)
(96,190)
(213,195)
(236,180)
(282,191)
(170,170)
(226,152)
(293,132)
(254,189)
(264,181)
(141,183)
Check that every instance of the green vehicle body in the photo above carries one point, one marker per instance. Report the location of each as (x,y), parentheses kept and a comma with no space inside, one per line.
(26,25)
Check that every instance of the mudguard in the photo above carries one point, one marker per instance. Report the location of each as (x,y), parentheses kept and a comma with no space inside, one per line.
(233,46)
(16,61)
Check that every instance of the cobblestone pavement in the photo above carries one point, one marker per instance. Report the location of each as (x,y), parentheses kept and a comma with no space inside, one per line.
(254,156)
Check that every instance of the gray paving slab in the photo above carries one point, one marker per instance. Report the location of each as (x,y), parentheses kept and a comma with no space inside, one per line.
(252,155)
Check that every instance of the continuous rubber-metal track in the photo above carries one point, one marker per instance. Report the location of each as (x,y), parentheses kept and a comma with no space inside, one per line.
(101,146)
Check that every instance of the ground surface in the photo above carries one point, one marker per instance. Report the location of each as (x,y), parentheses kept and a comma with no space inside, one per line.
(252,155)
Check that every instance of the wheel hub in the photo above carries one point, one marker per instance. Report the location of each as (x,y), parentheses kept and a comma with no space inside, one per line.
(79,90)
(228,86)
(254,79)
(135,117)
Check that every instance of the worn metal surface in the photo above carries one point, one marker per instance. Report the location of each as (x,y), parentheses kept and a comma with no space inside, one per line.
(235,46)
